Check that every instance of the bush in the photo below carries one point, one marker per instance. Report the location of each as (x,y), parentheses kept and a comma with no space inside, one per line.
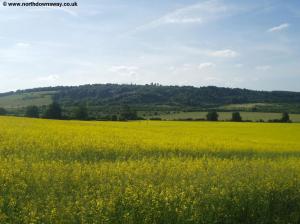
(185,119)
(199,119)
(236,116)
(53,111)
(155,119)
(212,116)
(2,111)
(32,111)
(114,117)
(127,114)
(285,117)
(81,113)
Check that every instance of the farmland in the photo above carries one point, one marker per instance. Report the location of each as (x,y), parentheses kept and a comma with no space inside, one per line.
(148,172)
(22,100)
(252,116)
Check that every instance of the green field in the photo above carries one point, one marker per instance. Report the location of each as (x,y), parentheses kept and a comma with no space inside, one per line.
(254,116)
(22,100)
(246,106)
(148,172)
(262,107)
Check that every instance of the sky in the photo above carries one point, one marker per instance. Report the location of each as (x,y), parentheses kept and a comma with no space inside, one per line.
(252,44)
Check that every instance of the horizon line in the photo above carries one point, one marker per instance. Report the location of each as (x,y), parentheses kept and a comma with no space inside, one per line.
(136,84)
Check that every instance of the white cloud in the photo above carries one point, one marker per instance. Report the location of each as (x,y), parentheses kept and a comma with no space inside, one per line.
(213,79)
(124,70)
(187,66)
(192,14)
(238,65)
(197,13)
(50,78)
(227,53)
(263,67)
(171,68)
(182,20)
(22,45)
(279,28)
(206,65)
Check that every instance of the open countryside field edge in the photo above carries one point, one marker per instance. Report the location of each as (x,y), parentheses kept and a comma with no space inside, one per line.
(148,172)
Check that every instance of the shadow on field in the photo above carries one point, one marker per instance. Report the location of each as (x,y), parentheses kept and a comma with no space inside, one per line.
(97,155)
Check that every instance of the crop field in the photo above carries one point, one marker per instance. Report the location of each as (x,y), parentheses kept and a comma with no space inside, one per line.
(148,172)
(253,116)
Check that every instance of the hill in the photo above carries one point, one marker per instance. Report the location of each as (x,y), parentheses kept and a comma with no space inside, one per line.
(155,97)
(111,94)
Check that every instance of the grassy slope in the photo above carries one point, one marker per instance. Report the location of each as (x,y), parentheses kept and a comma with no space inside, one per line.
(246,106)
(26,99)
(262,107)
(148,172)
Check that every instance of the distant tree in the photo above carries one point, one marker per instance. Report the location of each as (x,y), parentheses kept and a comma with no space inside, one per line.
(285,117)
(32,111)
(236,116)
(212,116)
(128,113)
(114,117)
(81,113)
(2,111)
(53,111)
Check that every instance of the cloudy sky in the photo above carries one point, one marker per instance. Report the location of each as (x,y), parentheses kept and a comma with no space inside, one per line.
(249,44)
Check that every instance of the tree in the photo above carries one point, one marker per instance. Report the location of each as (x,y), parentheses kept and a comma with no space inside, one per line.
(285,117)
(53,111)
(114,117)
(32,111)
(236,116)
(128,113)
(212,116)
(2,111)
(81,113)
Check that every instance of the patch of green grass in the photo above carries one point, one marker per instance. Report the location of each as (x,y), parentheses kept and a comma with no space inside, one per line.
(262,107)
(22,100)
(246,106)
(253,116)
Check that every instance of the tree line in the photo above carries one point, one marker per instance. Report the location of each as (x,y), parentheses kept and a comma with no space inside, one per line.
(55,111)
(236,117)
(126,113)
(155,94)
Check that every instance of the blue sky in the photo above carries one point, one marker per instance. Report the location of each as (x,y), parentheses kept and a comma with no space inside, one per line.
(248,44)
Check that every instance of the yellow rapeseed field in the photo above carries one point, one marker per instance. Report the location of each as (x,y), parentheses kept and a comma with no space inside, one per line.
(148,172)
